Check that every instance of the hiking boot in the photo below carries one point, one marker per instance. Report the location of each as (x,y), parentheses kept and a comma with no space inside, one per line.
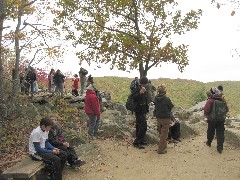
(219,151)
(178,139)
(174,141)
(139,146)
(143,143)
(208,143)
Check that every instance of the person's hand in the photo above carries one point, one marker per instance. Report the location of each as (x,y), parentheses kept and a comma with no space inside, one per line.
(66,144)
(143,90)
(56,151)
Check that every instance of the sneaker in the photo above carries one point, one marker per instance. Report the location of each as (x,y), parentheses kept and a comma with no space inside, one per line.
(82,162)
(139,146)
(76,163)
(208,143)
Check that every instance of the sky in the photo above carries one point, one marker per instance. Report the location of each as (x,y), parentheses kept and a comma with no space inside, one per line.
(210,49)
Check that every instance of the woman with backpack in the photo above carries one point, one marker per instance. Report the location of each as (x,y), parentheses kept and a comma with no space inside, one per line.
(215,111)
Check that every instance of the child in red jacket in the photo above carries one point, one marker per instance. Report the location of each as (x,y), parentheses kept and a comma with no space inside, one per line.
(75,85)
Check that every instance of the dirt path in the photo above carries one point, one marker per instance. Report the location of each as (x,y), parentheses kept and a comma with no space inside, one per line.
(190,159)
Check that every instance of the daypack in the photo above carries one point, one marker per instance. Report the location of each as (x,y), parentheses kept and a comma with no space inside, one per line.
(218,111)
(131,104)
(134,84)
(31,76)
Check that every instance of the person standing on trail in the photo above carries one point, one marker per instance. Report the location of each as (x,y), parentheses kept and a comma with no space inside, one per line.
(134,84)
(163,108)
(215,111)
(82,74)
(58,79)
(92,109)
(75,85)
(140,98)
(41,149)
(51,86)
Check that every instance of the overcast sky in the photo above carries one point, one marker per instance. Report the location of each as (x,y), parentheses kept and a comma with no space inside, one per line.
(210,57)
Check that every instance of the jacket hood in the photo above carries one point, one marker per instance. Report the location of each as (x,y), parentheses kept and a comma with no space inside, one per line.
(216,96)
(90,92)
(160,97)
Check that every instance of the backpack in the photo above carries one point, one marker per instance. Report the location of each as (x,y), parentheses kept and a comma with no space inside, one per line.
(131,104)
(31,76)
(134,84)
(219,110)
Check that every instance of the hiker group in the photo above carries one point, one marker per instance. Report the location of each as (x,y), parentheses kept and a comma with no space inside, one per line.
(142,101)
(47,143)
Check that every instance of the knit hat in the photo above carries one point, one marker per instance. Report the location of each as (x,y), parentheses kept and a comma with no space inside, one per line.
(161,89)
(90,87)
(215,90)
(220,88)
(143,80)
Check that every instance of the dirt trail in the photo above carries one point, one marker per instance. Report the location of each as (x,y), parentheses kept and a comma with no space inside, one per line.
(189,160)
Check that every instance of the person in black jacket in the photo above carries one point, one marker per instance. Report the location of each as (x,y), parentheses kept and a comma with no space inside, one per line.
(56,138)
(58,80)
(163,108)
(140,98)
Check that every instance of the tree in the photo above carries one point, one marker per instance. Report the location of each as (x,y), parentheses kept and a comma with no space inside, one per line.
(235,4)
(2,17)
(28,36)
(128,34)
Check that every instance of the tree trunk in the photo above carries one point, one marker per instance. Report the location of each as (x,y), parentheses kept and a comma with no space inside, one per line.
(2,17)
(16,82)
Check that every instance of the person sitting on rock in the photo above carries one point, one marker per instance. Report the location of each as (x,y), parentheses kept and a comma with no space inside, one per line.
(56,139)
(174,130)
(40,148)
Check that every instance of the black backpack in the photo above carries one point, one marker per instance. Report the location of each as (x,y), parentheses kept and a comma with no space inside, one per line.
(131,104)
(219,110)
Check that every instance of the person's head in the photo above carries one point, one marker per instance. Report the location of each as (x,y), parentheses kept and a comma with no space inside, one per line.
(52,71)
(54,117)
(75,75)
(90,79)
(46,124)
(161,89)
(220,88)
(58,72)
(215,90)
(136,78)
(143,81)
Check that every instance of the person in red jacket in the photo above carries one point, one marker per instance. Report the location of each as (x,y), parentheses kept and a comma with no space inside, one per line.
(75,85)
(92,109)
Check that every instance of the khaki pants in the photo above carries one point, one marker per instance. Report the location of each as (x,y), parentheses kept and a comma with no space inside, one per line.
(163,128)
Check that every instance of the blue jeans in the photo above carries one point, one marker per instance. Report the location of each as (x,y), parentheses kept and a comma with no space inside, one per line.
(92,123)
